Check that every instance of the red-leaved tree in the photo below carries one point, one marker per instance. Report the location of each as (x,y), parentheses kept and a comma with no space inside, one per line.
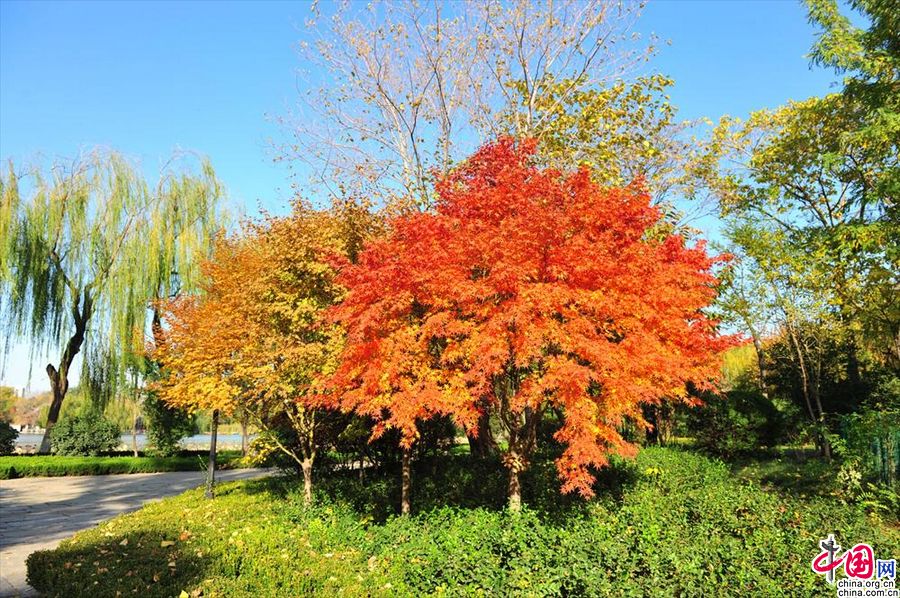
(528,290)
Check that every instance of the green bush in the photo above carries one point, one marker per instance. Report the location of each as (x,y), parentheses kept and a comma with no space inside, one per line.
(868,448)
(84,435)
(8,437)
(22,466)
(741,422)
(166,426)
(670,523)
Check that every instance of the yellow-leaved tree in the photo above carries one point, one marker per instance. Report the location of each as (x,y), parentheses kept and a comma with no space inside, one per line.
(256,339)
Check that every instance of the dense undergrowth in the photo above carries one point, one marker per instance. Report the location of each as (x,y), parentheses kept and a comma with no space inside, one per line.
(670,523)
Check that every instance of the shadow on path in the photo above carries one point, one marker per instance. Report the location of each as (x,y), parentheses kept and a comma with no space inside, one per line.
(37,513)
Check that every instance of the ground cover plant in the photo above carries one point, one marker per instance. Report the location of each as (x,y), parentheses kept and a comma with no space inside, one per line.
(670,523)
(22,466)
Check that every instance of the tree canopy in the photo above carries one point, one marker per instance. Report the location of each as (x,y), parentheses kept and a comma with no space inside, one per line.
(533,290)
(255,339)
(87,246)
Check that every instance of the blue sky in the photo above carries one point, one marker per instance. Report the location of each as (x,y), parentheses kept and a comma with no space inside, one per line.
(147,78)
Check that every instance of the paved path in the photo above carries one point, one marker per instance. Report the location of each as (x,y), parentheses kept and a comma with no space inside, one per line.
(36,513)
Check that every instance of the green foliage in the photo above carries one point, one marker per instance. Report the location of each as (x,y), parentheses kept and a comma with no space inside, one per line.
(740,368)
(814,184)
(623,131)
(810,190)
(678,524)
(24,466)
(84,435)
(869,59)
(8,401)
(351,442)
(869,447)
(739,423)
(166,425)
(8,437)
(92,241)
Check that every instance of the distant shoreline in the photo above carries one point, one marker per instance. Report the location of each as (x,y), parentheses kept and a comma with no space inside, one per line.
(29,443)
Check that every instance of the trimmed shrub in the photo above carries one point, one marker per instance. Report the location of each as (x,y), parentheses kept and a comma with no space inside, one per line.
(84,435)
(21,466)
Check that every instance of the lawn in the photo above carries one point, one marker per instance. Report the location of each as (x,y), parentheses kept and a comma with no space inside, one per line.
(671,522)
(21,466)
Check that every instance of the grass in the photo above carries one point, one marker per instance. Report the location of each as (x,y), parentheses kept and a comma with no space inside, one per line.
(670,523)
(20,466)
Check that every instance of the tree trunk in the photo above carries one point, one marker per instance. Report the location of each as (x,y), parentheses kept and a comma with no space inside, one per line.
(483,445)
(405,482)
(826,445)
(514,491)
(853,374)
(57,386)
(59,378)
(817,418)
(652,416)
(211,467)
(307,467)
(243,435)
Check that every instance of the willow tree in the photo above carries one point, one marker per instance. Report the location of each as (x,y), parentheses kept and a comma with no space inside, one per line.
(87,245)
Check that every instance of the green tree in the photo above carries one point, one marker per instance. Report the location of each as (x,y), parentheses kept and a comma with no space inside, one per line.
(87,245)
(8,401)
(623,131)
(869,59)
(166,425)
(776,286)
(826,172)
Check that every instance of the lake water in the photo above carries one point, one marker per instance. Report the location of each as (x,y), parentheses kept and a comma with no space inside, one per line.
(196,442)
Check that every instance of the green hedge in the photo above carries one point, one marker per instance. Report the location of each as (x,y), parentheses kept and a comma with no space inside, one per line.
(89,435)
(21,466)
(670,524)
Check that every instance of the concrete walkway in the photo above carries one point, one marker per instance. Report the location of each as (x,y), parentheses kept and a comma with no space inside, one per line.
(37,513)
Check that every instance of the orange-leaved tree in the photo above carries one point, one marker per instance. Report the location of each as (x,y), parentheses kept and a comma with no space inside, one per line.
(528,290)
(195,347)
(257,339)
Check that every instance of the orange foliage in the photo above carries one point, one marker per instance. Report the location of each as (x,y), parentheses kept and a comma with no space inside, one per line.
(256,337)
(528,289)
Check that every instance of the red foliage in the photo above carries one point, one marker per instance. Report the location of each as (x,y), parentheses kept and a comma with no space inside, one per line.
(529,289)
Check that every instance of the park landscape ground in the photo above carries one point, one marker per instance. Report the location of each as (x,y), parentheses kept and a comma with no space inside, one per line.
(484,344)
(670,523)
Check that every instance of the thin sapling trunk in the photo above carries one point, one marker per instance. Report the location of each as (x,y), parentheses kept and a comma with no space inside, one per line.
(211,467)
